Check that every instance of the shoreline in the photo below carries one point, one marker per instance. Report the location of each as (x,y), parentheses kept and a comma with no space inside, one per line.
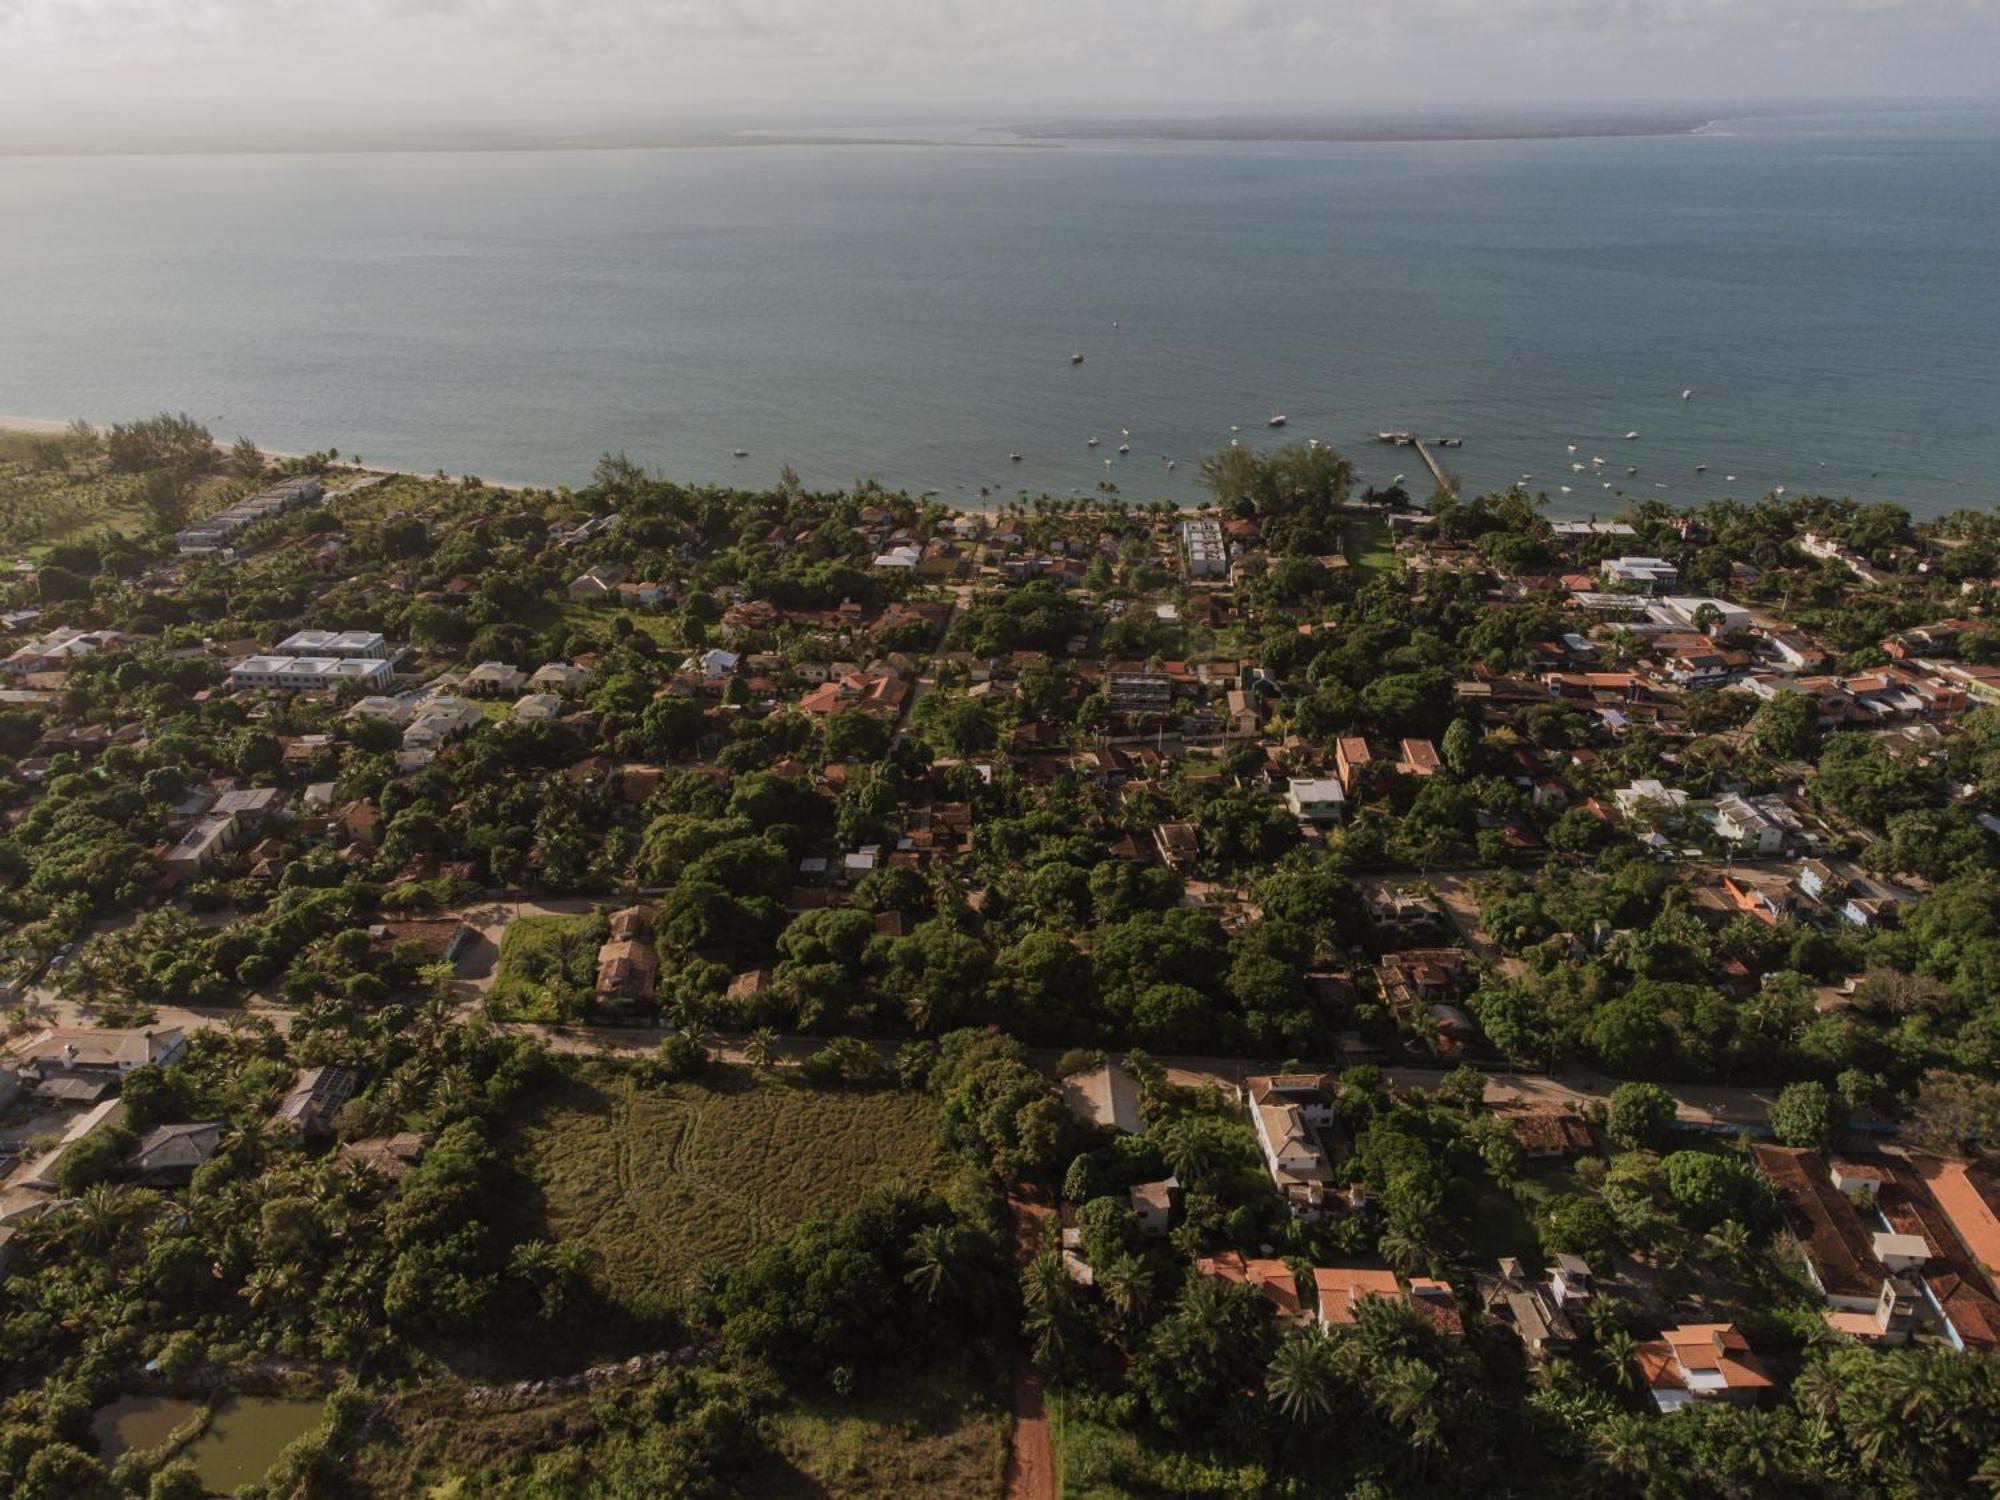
(47,427)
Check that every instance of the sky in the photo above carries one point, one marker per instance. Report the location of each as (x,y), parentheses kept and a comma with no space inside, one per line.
(137,64)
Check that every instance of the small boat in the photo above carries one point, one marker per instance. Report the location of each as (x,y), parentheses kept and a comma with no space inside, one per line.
(1630,436)
(1701,468)
(1631,468)
(742,452)
(1235,443)
(1278,419)
(1729,479)
(1124,432)
(1234,428)
(1107,463)
(1076,358)
(1124,447)
(1565,489)
(1526,477)
(1597,463)
(1451,442)
(1013,458)
(1093,442)
(1576,468)
(1170,466)
(1687,395)
(1397,480)
(1572,447)
(1779,490)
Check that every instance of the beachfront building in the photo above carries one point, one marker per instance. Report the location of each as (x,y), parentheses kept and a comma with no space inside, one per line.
(214,533)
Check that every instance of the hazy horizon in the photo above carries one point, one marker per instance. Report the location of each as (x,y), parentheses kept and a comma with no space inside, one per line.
(92,74)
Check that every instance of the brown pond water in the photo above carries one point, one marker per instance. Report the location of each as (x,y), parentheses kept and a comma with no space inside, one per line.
(138,1422)
(242,1440)
(246,1436)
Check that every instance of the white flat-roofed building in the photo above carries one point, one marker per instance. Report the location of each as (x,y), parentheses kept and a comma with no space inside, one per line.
(1681,609)
(1654,574)
(1206,551)
(333,643)
(1317,800)
(304,673)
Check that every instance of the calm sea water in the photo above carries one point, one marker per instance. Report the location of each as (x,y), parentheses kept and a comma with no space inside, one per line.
(1828,288)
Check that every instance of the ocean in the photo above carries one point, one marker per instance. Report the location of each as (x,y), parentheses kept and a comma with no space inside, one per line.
(1827,287)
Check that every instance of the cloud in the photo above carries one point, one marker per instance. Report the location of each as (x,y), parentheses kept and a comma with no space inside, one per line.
(1001,54)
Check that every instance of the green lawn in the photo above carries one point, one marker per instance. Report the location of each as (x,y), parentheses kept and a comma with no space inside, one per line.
(664,1181)
(537,952)
(1369,547)
(1503,1220)
(41,506)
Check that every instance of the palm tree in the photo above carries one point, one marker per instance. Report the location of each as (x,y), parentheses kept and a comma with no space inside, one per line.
(1620,1353)
(1192,1154)
(1408,1399)
(1405,1249)
(936,1263)
(1729,1242)
(1301,1379)
(760,1047)
(99,1216)
(1127,1286)
(1620,1445)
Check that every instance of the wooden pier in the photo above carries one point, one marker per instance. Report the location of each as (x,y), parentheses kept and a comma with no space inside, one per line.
(1444,480)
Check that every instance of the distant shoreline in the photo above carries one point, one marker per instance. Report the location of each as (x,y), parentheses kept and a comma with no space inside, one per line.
(48,427)
(1044,135)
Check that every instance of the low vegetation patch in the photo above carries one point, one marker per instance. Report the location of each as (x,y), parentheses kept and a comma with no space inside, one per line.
(663,1182)
(547,967)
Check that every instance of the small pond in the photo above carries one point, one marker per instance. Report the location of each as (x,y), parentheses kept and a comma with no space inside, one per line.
(246,1436)
(138,1422)
(242,1440)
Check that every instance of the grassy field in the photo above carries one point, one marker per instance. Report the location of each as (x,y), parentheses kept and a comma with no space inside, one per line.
(935,1436)
(536,952)
(1369,547)
(938,1435)
(1503,1219)
(44,503)
(663,1181)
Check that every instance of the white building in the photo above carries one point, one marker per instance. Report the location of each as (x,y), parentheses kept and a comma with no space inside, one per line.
(1203,546)
(305,673)
(1681,609)
(1317,800)
(558,677)
(496,678)
(333,643)
(441,719)
(538,706)
(1748,828)
(1653,574)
